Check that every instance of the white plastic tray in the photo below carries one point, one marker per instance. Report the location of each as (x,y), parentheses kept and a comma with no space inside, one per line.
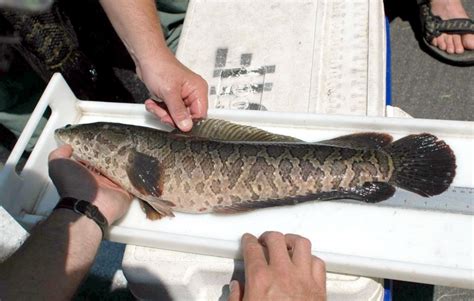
(429,246)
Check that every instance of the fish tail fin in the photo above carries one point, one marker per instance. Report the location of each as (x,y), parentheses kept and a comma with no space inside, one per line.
(422,164)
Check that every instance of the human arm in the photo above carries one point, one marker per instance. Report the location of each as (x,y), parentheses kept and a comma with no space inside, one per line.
(52,262)
(183,91)
(279,267)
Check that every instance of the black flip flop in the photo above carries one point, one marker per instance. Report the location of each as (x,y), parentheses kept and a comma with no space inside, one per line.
(433,26)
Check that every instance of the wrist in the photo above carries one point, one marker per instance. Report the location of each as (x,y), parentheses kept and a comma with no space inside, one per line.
(68,219)
(156,60)
(108,211)
(84,208)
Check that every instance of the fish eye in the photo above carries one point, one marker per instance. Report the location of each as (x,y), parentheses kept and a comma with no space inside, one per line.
(68,125)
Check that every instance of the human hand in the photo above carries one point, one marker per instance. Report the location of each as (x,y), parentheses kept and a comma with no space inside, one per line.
(279,267)
(183,91)
(74,180)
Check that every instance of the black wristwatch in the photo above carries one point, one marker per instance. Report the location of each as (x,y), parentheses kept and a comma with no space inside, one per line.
(84,208)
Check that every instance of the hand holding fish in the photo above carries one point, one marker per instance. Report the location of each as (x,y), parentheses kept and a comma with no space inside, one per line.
(54,260)
(74,180)
(280,267)
(183,91)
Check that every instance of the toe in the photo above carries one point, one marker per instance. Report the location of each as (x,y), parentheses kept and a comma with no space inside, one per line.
(468,41)
(442,42)
(458,47)
(434,42)
(449,44)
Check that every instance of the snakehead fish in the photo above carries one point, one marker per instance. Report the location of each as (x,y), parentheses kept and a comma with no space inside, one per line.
(243,168)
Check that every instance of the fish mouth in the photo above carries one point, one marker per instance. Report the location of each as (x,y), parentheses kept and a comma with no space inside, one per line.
(61,136)
(58,135)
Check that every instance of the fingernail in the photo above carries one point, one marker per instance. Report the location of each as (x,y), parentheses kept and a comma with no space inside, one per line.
(233,285)
(185,124)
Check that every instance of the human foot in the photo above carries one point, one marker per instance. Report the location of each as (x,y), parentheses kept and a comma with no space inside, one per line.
(451,43)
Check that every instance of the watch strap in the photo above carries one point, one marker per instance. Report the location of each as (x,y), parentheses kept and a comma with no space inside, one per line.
(85,208)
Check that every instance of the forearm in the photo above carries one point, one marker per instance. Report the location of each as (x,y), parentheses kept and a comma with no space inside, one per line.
(53,261)
(138,25)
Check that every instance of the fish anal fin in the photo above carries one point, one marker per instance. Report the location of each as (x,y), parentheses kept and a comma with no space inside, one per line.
(372,192)
(370,140)
(144,173)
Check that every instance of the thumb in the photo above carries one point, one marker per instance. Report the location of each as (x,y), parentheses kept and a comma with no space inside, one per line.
(179,112)
(62,152)
(235,291)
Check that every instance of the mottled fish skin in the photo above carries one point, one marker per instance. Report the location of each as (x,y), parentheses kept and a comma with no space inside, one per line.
(199,175)
(176,172)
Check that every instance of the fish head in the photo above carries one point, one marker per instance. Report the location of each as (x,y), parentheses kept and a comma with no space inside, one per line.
(94,141)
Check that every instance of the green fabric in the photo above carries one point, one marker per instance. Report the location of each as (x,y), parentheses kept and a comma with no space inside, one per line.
(172,15)
(19,94)
(16,122)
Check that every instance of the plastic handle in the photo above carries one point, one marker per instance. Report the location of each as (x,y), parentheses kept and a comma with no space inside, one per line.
(26,134)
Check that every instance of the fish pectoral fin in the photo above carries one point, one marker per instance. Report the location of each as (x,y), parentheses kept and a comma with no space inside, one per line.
(144,173)
(372,192)
(360,141)
(217,129)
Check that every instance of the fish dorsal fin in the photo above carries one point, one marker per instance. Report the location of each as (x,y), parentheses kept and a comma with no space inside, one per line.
(370,192)
(217,129)
(145,174)
(360,141)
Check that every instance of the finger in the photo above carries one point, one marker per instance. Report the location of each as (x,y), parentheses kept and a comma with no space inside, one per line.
(236,292)
(198,109)
(300,249)
(276,245)
(458,47)
(318,271)
(64,151)
(200,105)
(159,110)
(195,97)
(178,111)
(254,257)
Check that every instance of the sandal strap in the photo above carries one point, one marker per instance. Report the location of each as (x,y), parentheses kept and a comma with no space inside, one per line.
(434,26)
